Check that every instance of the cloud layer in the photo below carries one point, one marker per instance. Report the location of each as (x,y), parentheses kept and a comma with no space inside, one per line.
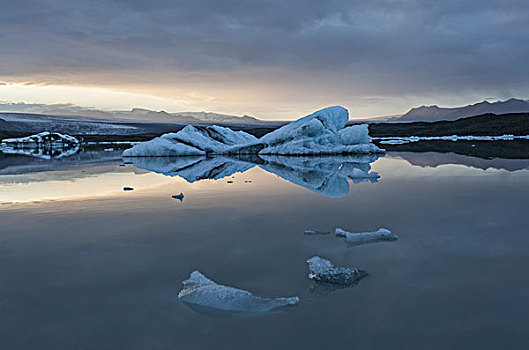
(336,51)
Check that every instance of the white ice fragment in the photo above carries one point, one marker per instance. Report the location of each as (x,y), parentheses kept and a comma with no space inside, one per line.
(323,270)
(394,142)
(201,292)
(358,238)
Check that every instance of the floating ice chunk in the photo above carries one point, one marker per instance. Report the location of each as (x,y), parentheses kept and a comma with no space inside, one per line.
(358,238)
(323,270)
(43,138)
(192,141)
(201,292)
(45,145)
(394,142)
(315,232)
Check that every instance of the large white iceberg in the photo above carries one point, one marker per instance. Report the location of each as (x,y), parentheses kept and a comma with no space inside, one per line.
(204,295)
(358,238)
(321,133)
(322,270)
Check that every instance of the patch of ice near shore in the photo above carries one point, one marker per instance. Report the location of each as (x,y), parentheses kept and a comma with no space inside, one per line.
(391,140)
(358,238)
(44,145)
(322,270)
(200,291)
(45,137)
(320,133)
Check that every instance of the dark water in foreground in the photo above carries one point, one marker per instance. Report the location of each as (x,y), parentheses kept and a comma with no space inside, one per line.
(85,265)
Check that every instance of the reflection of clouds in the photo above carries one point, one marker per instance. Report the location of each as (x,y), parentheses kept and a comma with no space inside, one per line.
(328,176)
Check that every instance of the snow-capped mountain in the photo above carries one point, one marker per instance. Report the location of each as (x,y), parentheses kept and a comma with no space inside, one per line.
(435,113)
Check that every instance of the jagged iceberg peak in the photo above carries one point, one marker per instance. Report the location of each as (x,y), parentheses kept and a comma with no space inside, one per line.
(359,238)
(320,133)
(322,270)
(192,141)
(206,296)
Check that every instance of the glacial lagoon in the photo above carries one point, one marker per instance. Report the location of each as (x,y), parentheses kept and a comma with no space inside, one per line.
(87,265)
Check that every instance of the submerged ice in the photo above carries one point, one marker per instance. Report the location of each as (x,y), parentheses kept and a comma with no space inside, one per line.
(203,294)
(322,270)
(322,133)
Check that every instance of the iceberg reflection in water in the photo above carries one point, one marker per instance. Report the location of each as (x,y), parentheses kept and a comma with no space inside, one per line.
(328,176)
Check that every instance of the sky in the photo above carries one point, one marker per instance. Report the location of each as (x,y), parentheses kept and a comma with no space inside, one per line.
(271,59)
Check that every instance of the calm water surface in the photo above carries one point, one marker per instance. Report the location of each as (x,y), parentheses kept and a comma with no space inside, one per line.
(85,265)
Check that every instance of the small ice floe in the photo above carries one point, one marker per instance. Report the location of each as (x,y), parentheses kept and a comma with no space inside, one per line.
(358,238)
(109,149)
(205,296)
(322,270)
(45,145)
(52,139)
(315,232)
(394,142)
(126,188)
(180,196)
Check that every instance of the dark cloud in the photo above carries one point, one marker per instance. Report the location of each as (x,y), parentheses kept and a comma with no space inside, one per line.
(377,47)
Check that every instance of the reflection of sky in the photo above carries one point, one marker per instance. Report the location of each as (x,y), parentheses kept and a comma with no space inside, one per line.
(98,267)
(109,180)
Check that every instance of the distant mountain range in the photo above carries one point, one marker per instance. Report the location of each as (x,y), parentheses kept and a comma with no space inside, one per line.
(435,113)
(135,114)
